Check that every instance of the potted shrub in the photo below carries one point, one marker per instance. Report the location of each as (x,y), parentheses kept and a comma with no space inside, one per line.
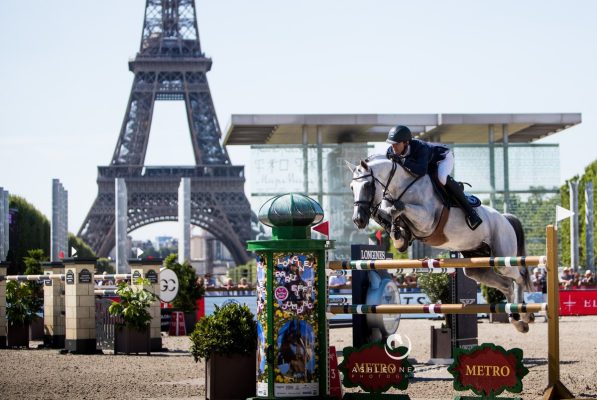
(189,290)
(132,335)
(33,262)
(21,306)
(437,288)
(491,296)
(227,341)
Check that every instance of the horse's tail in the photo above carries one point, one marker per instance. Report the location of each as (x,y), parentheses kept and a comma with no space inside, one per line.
(520,242)
(520,247)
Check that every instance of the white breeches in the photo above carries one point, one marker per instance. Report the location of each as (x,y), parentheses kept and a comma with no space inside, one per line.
(445,167)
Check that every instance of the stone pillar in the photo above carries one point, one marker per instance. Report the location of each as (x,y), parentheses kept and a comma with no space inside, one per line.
(3,224)
(79,301)
(184,220)
(574,252)
(589,227)
(59,227)
(3,321)
(121,209)
(54,329)
(150,270)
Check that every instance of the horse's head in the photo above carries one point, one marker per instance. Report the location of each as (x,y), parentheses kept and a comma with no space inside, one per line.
(363,190)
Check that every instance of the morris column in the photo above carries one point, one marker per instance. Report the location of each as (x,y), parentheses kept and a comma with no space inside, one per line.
(291,298)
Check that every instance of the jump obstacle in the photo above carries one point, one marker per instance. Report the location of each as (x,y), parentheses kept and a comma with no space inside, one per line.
(70,301)
(293,294)
(43,278)
(555,389)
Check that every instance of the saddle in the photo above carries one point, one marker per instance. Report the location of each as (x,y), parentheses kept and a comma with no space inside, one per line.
(401,224)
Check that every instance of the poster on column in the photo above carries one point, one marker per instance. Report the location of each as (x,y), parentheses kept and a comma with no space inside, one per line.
(262,372)
(295,324)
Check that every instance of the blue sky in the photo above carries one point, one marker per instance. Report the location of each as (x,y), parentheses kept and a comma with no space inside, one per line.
(65,80)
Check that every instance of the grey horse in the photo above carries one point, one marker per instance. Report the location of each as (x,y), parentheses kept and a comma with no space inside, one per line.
(386,192)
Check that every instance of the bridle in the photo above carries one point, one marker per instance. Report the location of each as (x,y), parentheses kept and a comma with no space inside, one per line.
(372,209)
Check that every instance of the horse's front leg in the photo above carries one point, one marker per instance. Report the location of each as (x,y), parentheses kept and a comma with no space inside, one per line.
(388,212)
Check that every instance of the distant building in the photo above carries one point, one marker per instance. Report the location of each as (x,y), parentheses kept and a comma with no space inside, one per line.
(209,254)
(496,153)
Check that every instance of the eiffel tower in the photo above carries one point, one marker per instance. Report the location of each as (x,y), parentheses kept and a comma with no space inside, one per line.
(171,66)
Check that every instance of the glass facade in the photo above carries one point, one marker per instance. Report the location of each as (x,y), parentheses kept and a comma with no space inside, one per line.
(533,172)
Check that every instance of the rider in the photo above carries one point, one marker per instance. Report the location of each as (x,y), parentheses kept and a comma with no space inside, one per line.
(419,158)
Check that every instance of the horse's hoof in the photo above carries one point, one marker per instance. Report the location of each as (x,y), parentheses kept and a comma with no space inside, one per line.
(520,326)
(531,318)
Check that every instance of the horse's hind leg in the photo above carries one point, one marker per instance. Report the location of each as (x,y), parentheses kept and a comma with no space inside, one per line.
(505,285)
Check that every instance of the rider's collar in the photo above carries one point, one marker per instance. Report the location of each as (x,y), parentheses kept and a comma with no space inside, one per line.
(407,151)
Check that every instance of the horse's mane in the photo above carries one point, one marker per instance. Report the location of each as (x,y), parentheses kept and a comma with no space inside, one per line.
(376,157)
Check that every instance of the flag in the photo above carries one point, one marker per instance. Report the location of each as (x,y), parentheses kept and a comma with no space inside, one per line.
(73,251)
(323,228)
(563,213)
(61,254)
(378,236)
(139,252)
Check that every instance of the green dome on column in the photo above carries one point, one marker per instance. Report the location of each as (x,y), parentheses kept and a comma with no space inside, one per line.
(291,215)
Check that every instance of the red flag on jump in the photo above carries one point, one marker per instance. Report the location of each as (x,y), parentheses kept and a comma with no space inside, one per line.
(323,228)
(61,254)
(378,236)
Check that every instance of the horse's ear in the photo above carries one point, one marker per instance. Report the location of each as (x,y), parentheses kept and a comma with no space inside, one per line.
(364,165)
(350,166)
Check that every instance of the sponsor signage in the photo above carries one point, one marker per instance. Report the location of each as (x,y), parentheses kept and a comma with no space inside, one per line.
(375,368)
(488,370)
(578,302)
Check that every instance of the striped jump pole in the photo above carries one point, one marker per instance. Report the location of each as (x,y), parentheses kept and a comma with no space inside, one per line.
(437,308)
(339,272)
(104,292)
(112,276)
(438,263)
(25,278)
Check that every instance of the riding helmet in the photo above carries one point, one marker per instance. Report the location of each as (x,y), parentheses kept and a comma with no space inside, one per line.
(399,133)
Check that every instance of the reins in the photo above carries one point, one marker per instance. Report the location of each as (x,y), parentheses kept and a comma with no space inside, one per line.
(374,208)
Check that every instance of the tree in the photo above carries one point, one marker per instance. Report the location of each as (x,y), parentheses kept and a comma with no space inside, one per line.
(32,262)
(104,265)
(189,291)
(590,175)
(29,229)
(248,270)
(83,249)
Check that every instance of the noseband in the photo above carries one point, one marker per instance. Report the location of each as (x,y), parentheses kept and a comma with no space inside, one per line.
(372,209)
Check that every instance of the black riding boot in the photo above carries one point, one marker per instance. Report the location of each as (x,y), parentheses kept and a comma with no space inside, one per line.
(455,190)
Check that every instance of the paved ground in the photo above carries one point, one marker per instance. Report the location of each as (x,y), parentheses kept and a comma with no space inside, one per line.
(46,374)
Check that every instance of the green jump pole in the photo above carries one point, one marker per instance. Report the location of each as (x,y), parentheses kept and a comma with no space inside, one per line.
(437,308)
(475,262)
